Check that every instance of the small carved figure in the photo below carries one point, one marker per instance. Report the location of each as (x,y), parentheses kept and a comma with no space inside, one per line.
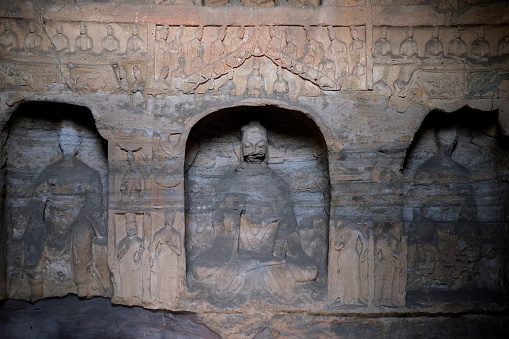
(237,41)
(350,260)
(228,88)
(274,41)
(138,85)
(311,45)
(290,49)
(382,48)
(255,81)
(133,180)
(408,47)
(8,38)
(135,44)
(65,222)
(357,52)
(179,76)
(434,48)
(326,69)
(280,85)
(339,51)
(83,43)
(60,40)
(217,47)
(196,46)
(33,41)
(129,255)
(388,269)
(165,250)
(257,252)
(176,48)
(457,47)
(123,83)
(162,84)
(110,43)
(503,44)
(481,47)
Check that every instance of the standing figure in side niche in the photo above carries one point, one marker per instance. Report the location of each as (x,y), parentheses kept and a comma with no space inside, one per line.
(65,221)
(60,40)
(133,180)
(33,41)
(408,47)
(350,260)
(434,48)
(503,44)
(257,252)
(129,255)
(457,47)
(255,81)
(339,51)
(110,43)
(8,38)
(481,47)
(165,250)
(83,43)
(382,48)
(357,52)
(135,44)
(388,269)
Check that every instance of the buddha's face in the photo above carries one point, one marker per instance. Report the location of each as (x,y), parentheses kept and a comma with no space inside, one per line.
(254,146)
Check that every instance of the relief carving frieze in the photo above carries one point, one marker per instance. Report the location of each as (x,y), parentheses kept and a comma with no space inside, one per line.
(440,62)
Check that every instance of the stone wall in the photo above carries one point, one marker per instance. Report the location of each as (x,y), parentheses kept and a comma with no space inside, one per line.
(259,162)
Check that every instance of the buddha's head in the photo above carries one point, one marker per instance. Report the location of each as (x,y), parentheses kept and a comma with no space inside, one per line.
(254,142)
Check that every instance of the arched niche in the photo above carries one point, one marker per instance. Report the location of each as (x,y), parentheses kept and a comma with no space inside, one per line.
(455,208)
(55,173)
(297,163)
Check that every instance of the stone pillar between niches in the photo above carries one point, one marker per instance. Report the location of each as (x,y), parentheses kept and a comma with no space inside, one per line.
(146,217)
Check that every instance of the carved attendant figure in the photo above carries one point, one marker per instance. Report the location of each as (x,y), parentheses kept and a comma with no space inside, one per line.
(434,48)
(481,47)
(83,43)
(350,259)
(408,47)
(383,48)
(33,41)
(65,221)
(134,43)
(339,52)
(257,252)
(110,43)
(60,40)
(8,38)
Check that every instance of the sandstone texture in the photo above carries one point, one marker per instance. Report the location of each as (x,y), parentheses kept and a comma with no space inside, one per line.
(254,168)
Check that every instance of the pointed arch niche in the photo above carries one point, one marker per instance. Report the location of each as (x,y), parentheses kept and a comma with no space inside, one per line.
(54,205)
(297,162)
(455,209)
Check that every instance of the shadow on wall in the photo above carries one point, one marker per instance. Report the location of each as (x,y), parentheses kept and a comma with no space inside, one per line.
(54,203)
(257,195)
(455,207)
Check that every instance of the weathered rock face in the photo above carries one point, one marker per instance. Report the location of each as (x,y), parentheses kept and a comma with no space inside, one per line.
(259,163)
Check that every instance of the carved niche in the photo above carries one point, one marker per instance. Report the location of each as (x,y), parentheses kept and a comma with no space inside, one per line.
(454,217)
(55,209)
(257,199)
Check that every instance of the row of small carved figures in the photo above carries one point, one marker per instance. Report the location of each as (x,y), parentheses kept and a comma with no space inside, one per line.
(32,43)
(317,64)
(408,48)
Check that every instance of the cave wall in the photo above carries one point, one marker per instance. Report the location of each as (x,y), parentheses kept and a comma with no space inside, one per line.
(380,190)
